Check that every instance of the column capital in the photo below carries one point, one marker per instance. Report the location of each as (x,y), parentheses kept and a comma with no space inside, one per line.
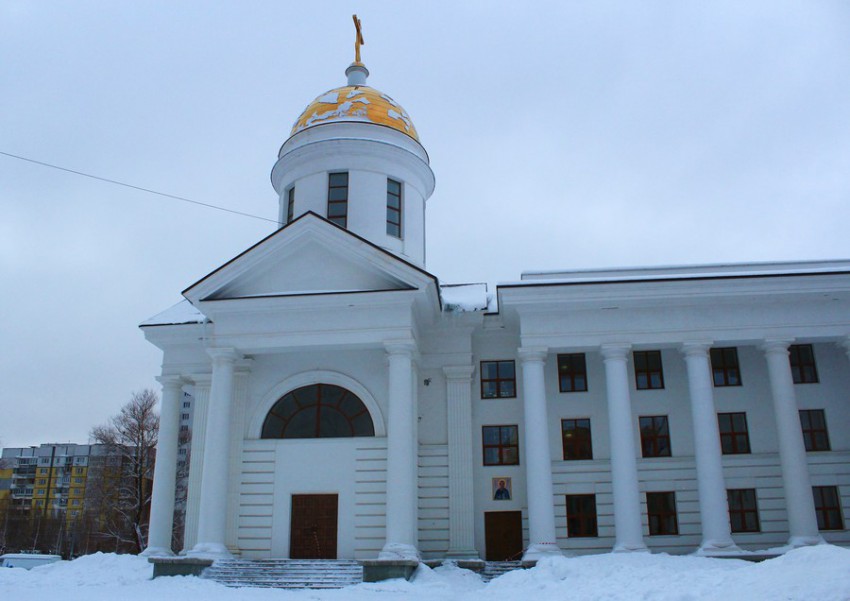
(223,354)
(697,348)
(615,350)
(400,347)
(532,353)
(458,372)
(776,345)
(199,379)
(171,380)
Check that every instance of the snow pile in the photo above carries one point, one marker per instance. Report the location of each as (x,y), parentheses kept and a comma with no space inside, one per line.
(465,297)
(819,573)
(182,312)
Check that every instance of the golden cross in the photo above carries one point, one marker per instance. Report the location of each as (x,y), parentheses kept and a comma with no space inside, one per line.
(358,41)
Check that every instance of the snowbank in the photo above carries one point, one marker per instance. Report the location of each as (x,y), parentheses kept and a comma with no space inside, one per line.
(819,573)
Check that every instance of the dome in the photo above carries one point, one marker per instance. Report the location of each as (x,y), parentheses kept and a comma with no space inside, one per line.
(355,103)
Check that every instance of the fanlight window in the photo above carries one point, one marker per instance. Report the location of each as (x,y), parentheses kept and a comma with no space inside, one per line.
(318,411)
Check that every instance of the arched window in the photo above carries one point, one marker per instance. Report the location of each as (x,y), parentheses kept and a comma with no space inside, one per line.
(318,411)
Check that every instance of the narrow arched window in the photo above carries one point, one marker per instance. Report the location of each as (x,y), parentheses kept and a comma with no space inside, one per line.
(318,411)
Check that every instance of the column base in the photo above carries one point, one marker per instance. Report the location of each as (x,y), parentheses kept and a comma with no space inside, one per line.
(378,570)
(210,551)
(713,548)
(630,548)
(461,554)
(157,552)
(541,550)
(805,541)
(398,551)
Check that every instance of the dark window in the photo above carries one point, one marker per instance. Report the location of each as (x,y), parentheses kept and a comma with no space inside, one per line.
(184,416)
(803,367)
(572,373)
(661,511)
(813,422)
(318,411)
(724,366)
(290,205)
(581,516)
(648,372)
(743,511)
(828,508)
(394,208)
(338,199)
(734,436)
(654,436)
(577,441)
(184,428)
(498,380)
(501,445)
(186,404)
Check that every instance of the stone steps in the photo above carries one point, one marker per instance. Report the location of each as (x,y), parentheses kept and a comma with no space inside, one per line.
(286,573)
(494,569)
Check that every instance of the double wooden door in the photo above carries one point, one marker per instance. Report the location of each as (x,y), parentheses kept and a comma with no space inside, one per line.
(503,535)
(313,527)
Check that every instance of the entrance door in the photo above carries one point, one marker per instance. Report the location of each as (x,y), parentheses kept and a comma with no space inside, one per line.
(313,527)
(503,535)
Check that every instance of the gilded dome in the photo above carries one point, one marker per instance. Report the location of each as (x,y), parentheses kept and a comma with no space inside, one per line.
(355,103)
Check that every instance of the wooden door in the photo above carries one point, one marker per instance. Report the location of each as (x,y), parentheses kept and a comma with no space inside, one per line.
(313,527)
(503,535)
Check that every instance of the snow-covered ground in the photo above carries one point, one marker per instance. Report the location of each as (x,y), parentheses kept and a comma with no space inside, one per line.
(817,573)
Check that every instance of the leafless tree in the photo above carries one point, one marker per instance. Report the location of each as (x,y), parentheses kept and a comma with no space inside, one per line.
(119,483)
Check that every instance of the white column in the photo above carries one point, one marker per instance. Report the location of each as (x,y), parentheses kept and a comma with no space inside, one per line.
(713,506)
(538,458)
(845,344)
(212,513)
(165,469)
(459,423)
(200,405)
(802,520)
(628,529)
(401,456)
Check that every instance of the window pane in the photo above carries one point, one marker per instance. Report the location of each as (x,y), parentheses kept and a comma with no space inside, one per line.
(507,389)
(489,370)
(491,435)
(333,424)
(393,186)
(393,202)
(337,209)
(302,424)
(506,369)
(491,456)
(338,194)
(509,435)
(510,456)
(338,179)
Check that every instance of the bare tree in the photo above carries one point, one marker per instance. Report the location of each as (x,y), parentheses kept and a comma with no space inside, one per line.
(120,483)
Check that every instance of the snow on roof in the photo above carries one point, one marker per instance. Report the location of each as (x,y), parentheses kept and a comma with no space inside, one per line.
(182,312)
(677,272)
(467,297)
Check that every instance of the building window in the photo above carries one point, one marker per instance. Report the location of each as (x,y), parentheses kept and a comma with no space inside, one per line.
(654,436)
(498,380)
(42,481)
(184,428)
(184,416)
(78,470)
(572,373)
(186,404)
(78,480)
(648,372)
(318,411)
(828,508)
(813,422)
(803,367)
(743,511)
(724,366)
(734,436)
(394,208)
(501,445)
(576,438)
(661,511)
(39,491)
(290,204)
(75,502)
(581,516)
(338,198)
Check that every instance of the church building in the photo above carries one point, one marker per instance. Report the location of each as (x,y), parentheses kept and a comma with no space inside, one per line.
(347,404)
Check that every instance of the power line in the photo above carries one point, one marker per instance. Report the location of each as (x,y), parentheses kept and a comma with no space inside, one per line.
(141,189)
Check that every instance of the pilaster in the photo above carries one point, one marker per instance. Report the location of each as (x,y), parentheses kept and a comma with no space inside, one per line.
(200,402)
(459,424)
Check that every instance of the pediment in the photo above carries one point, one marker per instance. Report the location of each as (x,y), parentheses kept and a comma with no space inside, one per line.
(309,256)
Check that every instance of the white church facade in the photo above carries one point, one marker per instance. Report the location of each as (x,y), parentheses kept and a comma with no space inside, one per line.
(348,405)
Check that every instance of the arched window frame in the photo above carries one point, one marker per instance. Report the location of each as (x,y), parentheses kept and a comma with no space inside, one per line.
(255,426)
(304,413)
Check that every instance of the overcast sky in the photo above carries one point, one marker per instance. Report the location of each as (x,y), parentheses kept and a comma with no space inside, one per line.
(562,135)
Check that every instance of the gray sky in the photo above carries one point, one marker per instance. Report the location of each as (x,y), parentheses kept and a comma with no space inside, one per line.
(562,135)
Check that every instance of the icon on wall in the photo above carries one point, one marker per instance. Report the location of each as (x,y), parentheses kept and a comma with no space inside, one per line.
(501,489)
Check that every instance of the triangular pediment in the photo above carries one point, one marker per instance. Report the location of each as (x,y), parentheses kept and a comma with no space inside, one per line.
(309,256)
